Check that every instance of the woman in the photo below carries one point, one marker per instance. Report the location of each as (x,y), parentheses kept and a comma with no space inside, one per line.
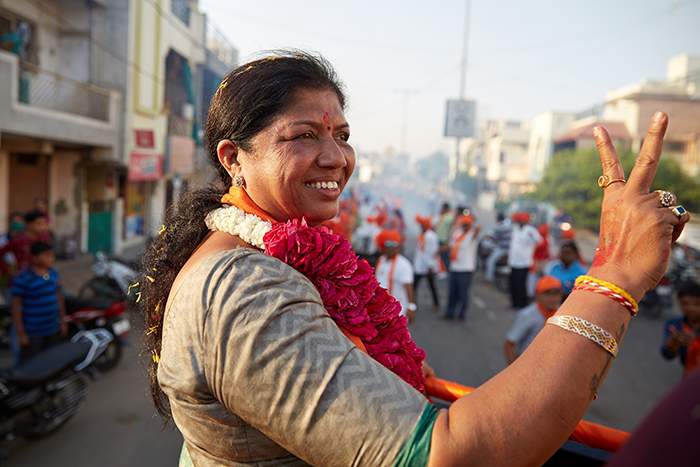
(267,359)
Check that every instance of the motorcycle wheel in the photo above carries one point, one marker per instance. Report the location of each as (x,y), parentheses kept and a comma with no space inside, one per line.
(55,411)
(101,287)
(111,356)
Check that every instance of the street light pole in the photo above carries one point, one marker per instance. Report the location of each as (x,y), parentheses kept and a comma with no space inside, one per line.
(463,71)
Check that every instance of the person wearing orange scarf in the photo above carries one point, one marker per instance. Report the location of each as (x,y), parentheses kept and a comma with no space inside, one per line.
(530,320)
(682,335)
(395,273)
(462,266)
(426,260)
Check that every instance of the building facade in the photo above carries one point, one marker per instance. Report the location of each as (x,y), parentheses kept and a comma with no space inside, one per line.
(679,96)
(505,155)
(60,120)
(101,111)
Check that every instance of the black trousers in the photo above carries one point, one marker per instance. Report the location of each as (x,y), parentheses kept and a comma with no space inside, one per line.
(430,275)
(518,287)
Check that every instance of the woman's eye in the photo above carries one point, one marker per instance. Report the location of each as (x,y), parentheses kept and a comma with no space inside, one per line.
(344,136)
(306,135)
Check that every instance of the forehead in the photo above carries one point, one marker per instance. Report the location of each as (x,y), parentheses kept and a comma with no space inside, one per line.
(313,103)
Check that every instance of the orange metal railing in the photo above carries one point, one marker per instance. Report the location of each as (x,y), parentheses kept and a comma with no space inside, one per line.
(588,433)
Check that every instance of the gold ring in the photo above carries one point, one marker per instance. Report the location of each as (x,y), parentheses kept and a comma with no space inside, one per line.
(604,181)
(679,211)
(666,198)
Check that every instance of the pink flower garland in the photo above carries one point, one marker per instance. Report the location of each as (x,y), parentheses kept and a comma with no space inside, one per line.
(350,293)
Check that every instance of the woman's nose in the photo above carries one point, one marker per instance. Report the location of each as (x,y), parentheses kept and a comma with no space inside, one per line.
(331,155)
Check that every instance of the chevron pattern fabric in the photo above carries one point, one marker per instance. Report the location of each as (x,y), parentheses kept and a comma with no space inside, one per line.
(257,373)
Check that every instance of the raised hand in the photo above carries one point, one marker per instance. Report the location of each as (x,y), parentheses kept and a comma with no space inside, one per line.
(636,232)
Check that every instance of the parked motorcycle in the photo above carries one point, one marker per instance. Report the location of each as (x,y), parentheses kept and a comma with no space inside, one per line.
(100,313)
(111,280)
(42,394)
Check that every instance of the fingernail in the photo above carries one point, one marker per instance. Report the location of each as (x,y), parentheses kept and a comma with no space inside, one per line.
(659,117)
(597,131)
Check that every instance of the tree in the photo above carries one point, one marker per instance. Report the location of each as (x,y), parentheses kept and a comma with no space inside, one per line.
(569,182)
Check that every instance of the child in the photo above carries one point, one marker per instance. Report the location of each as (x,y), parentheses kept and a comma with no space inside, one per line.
(38,309)
(682,335)
(531,319)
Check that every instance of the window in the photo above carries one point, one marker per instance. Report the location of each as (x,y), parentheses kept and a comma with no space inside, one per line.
(674,147)
(181,9)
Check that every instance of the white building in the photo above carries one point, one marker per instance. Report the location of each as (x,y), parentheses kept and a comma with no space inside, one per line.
(545,128)
(678,96)
(505,154)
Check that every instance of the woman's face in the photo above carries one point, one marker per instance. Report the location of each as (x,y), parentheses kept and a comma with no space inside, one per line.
(301,162)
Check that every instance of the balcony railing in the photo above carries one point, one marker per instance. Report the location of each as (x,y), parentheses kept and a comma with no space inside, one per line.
(218,45)
(49,90)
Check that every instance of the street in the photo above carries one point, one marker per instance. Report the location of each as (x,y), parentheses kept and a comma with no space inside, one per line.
(117,425)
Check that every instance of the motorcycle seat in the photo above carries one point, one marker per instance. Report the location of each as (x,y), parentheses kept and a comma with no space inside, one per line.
(48,363)
(74,304)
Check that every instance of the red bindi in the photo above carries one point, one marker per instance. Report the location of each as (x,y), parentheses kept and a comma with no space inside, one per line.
(327,120)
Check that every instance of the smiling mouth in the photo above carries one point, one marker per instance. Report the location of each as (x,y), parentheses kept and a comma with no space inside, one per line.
(329,185)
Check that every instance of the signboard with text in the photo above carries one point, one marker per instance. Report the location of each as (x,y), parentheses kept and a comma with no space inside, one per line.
(144,139)
(460,117)
(145,167)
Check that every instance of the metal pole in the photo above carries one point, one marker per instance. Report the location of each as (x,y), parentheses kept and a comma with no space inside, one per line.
(465,50)
(463,70)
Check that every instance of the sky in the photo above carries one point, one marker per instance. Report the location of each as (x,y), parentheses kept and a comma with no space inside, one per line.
(523,57)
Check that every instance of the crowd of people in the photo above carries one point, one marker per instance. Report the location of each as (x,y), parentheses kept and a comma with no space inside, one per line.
(29,284)
(542,272)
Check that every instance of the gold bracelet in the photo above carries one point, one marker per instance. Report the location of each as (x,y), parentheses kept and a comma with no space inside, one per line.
(588,330)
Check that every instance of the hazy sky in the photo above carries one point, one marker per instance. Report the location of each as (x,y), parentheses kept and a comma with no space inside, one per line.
(525,57)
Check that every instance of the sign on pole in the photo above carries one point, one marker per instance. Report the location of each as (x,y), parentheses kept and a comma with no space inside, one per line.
(459,118)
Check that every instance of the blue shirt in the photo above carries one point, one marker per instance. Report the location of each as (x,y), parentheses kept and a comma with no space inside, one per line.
(39,295)
(677,324)
(567,276)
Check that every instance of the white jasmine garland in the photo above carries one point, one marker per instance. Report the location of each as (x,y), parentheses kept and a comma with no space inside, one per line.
(232,220)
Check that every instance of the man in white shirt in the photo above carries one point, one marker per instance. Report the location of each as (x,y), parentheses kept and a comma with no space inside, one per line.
(395,273)
(523,241)
(425,261)
(463,252)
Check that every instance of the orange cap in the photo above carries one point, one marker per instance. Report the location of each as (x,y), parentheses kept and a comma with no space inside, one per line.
(388,236)
(465,220)
(424,221)
(547,283)
(521,216)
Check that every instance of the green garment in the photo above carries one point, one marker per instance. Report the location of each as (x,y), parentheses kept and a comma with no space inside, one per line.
(416,451)
(444,227)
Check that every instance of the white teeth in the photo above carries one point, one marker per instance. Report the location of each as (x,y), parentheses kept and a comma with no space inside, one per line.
(323,185)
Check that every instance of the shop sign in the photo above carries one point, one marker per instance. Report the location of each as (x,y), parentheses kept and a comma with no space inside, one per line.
(145,167)
(145,139)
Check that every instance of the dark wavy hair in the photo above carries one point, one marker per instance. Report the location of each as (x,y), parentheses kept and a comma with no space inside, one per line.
(247,101)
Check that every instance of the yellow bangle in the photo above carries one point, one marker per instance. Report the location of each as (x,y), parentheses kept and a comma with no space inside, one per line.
(588,330)
(634,306)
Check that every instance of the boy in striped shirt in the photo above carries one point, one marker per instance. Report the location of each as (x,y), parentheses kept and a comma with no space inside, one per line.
(38,308)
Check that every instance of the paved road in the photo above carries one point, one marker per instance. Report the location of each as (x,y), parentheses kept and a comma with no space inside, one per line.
(117,426)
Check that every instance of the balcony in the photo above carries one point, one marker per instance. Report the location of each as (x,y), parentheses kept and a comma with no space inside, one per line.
(44,104)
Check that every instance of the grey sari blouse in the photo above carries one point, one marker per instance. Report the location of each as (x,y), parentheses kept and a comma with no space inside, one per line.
(257,373)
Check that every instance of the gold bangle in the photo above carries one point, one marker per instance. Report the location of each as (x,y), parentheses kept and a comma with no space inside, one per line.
(588,330)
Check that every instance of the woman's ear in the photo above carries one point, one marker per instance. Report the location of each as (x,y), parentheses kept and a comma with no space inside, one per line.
(227,152)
